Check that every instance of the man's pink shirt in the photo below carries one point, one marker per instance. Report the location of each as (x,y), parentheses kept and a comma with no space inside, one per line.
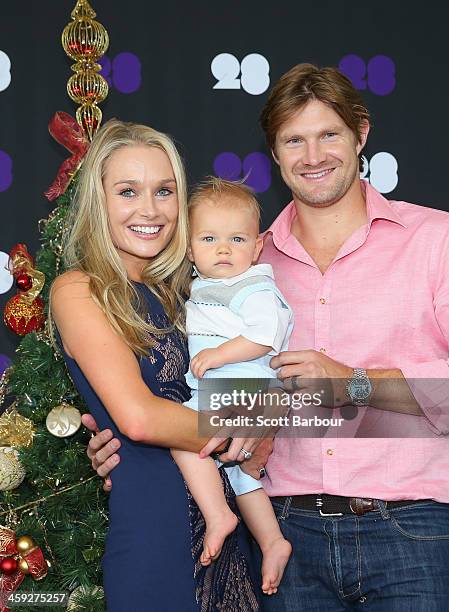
(382,303)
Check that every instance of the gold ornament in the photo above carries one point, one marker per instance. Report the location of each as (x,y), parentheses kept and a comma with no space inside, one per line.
(23,566)
(24,544)
(84,87)
(63,421)
(11,470)
(85,41)
(83,591)
(15,429)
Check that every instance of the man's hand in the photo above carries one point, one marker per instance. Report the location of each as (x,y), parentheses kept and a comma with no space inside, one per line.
(259,458)
(206,359)
(309,364)
(298,369)
(101,450)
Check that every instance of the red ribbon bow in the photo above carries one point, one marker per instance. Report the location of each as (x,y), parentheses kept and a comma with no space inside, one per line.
(37,565)
(67,132)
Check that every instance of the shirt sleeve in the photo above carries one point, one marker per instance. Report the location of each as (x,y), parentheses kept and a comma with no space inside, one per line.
(265,320)
(429,380)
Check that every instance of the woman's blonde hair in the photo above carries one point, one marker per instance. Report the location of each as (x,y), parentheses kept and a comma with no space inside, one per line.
(90,248)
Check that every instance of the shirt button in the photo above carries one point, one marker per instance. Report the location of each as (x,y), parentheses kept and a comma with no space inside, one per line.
(322,350)
(322,301)
(330,451)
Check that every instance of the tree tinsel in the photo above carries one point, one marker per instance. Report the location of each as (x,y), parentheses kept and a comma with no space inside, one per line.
(61,504)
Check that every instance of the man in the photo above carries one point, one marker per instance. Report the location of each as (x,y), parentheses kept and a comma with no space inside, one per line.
(368,280)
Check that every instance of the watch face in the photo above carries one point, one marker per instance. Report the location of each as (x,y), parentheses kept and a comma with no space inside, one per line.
(359,389)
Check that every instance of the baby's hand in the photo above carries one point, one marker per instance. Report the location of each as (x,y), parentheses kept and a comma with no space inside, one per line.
(206,360)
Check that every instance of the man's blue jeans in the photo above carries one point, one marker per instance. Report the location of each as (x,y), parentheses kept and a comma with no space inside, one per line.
(389,560)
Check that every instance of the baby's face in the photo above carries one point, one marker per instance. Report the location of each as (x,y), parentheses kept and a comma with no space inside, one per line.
(224,240)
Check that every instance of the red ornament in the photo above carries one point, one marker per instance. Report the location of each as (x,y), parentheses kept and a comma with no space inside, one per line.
(14,559)
(22,317)
(25,311)
(24,281)
(8,565)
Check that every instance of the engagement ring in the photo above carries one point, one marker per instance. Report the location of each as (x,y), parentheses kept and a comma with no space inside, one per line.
(246,454)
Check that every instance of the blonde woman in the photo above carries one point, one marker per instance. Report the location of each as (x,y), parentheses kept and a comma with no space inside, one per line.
(119,315)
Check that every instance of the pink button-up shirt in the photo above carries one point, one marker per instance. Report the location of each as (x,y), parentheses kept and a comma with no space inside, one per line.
(382,303)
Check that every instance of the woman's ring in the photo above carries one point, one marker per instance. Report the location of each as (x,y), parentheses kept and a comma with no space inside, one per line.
(262,472)
(246,454)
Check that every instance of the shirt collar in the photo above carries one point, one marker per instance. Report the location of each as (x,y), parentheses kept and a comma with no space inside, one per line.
(377,207)
(256,270)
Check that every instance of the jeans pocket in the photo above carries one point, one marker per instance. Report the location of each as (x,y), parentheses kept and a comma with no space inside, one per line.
(427,522)
(281,511)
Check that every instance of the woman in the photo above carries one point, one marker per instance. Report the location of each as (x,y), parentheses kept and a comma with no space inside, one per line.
(118,312)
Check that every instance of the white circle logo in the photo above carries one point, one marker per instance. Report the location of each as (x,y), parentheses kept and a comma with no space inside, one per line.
(5,71)
(6,278)
(381,171)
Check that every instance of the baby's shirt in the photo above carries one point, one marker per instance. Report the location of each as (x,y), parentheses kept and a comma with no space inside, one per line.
(248,305)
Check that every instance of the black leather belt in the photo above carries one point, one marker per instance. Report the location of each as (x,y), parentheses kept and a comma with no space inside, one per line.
(335,505)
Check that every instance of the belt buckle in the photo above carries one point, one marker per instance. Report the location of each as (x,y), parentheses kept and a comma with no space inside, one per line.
(361,505)
(319,505)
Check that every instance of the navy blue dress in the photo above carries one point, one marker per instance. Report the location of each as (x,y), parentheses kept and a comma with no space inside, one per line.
(155,536)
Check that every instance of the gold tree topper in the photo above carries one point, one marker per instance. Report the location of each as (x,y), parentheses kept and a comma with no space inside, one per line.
(85,41)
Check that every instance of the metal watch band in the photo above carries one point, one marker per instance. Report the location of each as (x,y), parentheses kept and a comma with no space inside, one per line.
(359,373)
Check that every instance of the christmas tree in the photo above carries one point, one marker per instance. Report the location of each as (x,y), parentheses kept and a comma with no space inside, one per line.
(53,515)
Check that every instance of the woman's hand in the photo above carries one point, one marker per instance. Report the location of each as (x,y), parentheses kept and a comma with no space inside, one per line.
(249,434)
(234,452)
(101,450)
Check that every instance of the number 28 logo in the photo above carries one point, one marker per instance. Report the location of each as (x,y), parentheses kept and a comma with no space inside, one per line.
(381,171)
(378,75)
(252,74)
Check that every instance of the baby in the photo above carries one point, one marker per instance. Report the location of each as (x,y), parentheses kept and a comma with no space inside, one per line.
(237,320)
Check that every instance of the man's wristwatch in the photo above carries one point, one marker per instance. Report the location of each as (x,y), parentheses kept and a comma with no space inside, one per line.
(359,387)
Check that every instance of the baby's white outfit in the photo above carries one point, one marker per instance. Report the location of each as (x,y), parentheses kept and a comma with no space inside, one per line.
(248,305)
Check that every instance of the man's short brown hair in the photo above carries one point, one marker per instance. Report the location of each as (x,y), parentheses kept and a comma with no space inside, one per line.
(305,82)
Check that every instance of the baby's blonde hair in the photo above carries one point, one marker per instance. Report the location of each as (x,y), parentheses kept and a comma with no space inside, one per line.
(213,189)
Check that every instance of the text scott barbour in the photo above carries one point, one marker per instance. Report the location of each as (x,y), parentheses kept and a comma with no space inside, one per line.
(294,420)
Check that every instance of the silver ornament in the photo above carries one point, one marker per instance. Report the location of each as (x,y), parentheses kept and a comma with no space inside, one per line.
(63,421)
(11,470)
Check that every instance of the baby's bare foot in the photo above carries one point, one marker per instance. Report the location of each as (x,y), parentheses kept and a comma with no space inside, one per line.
(217,529)
(275,558)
